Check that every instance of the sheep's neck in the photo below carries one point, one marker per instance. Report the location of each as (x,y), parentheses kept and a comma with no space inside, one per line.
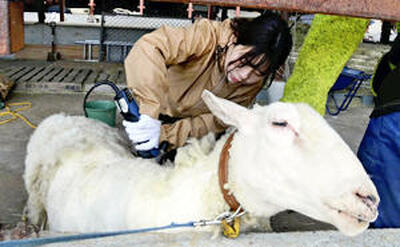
(238,182)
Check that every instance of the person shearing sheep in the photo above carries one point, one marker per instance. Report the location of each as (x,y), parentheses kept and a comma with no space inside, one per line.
(168,69)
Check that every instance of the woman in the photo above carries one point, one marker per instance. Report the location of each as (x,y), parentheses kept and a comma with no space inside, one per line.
(168,69)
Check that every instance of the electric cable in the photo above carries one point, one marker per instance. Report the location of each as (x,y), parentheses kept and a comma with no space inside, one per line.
(15,113)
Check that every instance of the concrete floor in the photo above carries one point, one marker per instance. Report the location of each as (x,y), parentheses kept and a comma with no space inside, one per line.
(370,238)
(14,136)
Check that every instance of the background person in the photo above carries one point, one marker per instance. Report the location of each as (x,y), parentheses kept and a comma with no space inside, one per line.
(380,148)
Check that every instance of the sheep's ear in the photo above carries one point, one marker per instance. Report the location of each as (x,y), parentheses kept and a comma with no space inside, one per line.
(229,112)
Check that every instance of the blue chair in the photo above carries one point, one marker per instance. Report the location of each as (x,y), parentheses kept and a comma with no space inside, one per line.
(350,79)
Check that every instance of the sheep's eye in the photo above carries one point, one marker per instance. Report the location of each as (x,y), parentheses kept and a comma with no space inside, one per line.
(280,124)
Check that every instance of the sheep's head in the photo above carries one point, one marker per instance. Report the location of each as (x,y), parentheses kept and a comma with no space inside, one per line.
(286,156)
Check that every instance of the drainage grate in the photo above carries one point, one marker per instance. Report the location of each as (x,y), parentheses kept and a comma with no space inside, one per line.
(56,78)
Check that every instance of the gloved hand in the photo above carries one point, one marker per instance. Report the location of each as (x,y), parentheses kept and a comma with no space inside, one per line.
(145,133)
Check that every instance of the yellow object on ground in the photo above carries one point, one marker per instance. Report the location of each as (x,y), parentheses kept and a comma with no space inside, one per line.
(329,44)
(14,113)
(231,230)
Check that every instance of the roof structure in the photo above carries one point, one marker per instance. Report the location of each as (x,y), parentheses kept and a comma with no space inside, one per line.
(371,9)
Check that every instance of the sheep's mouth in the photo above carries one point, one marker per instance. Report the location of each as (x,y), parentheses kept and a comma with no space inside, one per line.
(360,218)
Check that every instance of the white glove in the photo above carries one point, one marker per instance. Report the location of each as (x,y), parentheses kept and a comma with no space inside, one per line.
(146,132)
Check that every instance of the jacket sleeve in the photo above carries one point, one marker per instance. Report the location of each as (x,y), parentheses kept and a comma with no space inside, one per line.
(178,133)
(147,63)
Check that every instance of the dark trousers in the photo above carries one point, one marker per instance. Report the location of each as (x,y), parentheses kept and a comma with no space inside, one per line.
(379,153)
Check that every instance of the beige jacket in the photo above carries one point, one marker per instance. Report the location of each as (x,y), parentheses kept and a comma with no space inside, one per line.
(168,69)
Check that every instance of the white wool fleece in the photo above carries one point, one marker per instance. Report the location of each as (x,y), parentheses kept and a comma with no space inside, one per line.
(94,183)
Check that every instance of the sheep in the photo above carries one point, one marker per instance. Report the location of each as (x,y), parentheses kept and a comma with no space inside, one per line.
(81,173)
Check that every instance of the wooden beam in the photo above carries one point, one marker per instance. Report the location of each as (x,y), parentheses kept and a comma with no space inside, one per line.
(4,29)
(16,19)
(371,9)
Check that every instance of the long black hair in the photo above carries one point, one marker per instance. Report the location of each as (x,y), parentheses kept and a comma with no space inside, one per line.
(270,36)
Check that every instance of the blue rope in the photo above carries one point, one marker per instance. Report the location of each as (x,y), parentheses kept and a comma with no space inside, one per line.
(40,241)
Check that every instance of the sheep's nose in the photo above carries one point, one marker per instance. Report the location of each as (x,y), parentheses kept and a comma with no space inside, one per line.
(370,200)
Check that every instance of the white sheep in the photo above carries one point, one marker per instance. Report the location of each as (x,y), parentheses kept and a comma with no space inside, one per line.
(283,156)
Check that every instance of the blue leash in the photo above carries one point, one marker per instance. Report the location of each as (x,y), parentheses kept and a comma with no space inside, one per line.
(49,240)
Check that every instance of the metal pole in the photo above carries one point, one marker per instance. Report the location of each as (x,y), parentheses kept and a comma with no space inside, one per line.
(211,12)
(141,7)
(237,11)
(62,4)
(39,6)
(102,34)
(91,5)
(190,10)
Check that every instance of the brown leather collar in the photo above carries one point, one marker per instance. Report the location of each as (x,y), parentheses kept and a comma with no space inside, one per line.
(223,175)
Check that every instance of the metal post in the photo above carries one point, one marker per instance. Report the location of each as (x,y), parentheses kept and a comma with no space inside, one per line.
(85,47)
(91,5)
(90,51)
(224,14)
(237,11)
(210,12)
(39,6)
(108,53)
(62,5)
(285,67)
(141,7)
(190,10)
(102,36)
(91,17)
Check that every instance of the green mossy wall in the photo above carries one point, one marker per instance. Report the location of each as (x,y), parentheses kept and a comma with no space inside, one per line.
(329,44)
